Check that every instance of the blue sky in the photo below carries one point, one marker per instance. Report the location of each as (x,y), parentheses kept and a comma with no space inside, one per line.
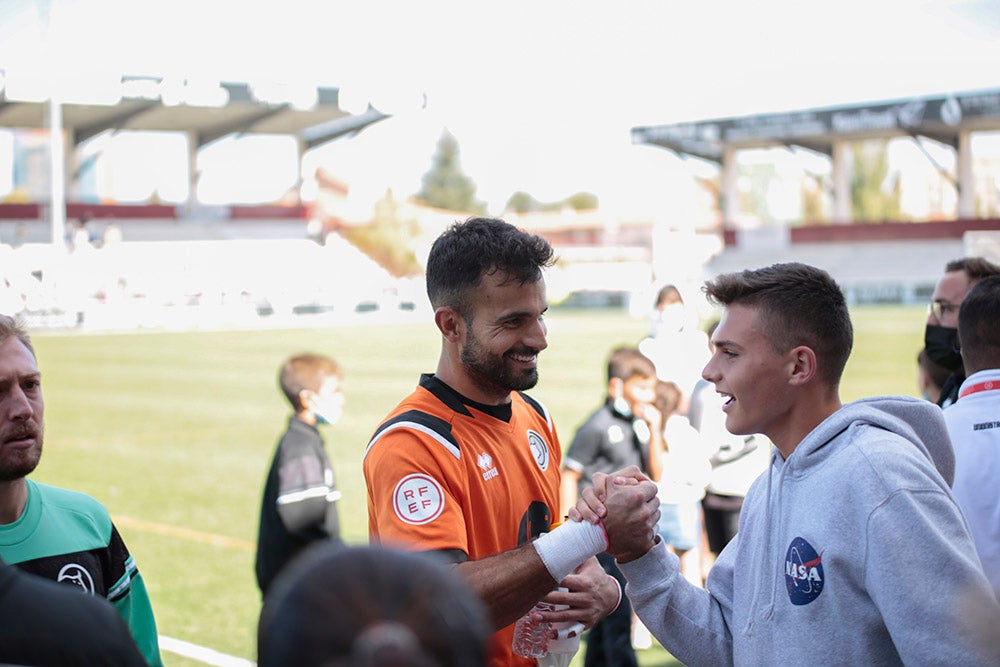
(541,95)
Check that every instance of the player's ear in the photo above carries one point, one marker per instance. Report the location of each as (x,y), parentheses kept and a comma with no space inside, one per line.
(449,323)
(306,399)
(801,365)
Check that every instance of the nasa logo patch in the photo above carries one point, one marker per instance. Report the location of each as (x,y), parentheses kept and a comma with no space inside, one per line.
(418,499)
(803,572)
(539,450)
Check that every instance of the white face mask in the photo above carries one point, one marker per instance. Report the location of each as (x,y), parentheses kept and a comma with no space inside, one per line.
(669,320)
(328,409)
(622,407)
(328,404)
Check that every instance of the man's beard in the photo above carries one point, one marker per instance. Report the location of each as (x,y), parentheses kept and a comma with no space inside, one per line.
(490,371)
(15,464)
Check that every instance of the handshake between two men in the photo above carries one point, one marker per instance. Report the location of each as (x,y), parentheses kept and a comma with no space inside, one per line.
(626,505)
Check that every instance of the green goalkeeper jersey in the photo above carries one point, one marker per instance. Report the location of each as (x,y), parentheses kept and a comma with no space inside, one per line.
(68,537)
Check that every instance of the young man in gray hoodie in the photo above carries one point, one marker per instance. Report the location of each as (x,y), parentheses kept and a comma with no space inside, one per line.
(851,549)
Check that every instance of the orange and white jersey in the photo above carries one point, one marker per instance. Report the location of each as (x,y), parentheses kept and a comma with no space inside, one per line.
(444,475)
(473,480)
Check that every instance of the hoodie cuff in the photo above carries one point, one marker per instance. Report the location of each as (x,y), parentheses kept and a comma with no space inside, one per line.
(656,565)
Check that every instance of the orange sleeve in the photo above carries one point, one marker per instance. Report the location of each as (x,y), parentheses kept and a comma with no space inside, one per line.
(416,490)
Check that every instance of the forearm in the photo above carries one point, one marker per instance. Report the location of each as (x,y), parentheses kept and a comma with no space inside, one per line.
(698,636)
(509,583)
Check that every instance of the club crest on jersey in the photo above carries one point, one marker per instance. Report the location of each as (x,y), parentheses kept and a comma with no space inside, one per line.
(539,450)
(418,499)
(485,461)
(803,572)
(77,575)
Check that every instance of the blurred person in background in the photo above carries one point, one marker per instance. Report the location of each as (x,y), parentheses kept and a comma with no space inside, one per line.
(974,422)
(338,606)
(58,534)
(467,465)
(941,331)
(931,377)
(616,435)
(299,504)
(684,473)
(677,347)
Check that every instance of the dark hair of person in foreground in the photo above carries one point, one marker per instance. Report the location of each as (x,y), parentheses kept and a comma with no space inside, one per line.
(370,606)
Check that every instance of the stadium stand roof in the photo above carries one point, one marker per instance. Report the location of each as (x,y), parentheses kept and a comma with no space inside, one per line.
(940,118)
(208,112)
(948,119)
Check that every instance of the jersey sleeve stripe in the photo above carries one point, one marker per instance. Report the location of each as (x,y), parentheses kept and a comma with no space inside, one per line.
(538,407)
(432,426)
(123,584)
(304,494)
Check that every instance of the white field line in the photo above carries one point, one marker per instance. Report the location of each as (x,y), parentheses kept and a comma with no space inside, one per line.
(202,653)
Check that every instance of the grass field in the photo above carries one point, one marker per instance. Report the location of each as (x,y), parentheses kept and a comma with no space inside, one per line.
(174,433)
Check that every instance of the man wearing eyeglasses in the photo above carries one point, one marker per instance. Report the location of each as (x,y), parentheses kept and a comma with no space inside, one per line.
(941,332)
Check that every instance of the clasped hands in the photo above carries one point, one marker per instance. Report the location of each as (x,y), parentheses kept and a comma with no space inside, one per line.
(625,502)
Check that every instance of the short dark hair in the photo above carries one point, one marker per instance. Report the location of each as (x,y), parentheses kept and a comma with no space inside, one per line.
(306,370)
(975,267)
(978,331)
(798,304)
(625,363)
(337,606)
(11,327)
(468,250)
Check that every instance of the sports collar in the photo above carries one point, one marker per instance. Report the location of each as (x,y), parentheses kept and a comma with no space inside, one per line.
(987,385)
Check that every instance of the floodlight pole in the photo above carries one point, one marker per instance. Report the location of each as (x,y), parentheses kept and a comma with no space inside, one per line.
(57,158)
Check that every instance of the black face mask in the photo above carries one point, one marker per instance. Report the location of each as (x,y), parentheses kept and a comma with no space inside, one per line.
(942,346)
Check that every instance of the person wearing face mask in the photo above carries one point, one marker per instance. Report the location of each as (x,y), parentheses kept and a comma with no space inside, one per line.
(623,431)
(299,505)
(941,332)
(676,346)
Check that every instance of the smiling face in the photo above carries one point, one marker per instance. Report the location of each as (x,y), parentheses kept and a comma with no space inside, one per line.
(22,410)
(503,336)
(750,375)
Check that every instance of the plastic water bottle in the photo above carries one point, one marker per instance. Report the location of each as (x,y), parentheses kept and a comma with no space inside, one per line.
(566,644)
(531,639)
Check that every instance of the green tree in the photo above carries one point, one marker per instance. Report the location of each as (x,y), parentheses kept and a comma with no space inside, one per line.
(445,185)
(389,238)
(522,202)
(582,201)
(875,194)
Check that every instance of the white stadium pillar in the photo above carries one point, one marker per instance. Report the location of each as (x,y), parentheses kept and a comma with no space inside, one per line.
(57,172)
(192,199)
(841,183)
(730,188)
(966,177)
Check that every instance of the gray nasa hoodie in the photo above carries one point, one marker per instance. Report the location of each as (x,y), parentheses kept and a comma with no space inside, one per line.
(852,551)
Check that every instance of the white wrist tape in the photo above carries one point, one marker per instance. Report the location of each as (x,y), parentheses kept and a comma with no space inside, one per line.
(571,543)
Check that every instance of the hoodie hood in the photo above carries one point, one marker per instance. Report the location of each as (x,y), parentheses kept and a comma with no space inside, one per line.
(919,422)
